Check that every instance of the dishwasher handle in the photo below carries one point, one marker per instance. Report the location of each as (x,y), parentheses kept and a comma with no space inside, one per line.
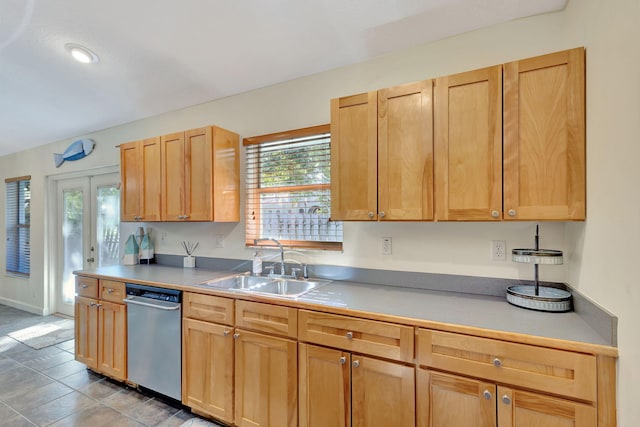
(136,301)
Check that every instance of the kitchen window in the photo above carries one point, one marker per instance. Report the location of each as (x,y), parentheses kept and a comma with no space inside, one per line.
(18,219)
(288,179)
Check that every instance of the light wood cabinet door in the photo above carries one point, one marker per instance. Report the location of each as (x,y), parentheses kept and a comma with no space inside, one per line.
(173,177)
(447,400)
(266,391)
(468,146)
(140,180)
(382,393)
(226,175)
(198,174)
(112,339)
(86,331)
(405,152)
(354,158)
(207,368)
(544,137)
(325,387)
(522,409)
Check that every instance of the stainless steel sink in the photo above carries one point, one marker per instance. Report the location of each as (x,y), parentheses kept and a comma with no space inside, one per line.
(267,285)
(239,282)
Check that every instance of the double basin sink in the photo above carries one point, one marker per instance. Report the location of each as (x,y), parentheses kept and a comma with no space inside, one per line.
(279,286)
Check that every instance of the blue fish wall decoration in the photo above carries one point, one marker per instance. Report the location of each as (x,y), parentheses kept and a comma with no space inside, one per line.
(76,151)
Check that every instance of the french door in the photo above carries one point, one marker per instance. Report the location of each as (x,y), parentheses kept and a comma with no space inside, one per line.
(88,230)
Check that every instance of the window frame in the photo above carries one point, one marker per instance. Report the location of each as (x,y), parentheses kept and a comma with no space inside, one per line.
(20,257)
(254,193)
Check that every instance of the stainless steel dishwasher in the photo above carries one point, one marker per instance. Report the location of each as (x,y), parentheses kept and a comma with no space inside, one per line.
(154,339)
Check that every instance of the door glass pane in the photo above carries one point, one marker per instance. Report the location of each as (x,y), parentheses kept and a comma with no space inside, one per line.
(71,240)
(108,225)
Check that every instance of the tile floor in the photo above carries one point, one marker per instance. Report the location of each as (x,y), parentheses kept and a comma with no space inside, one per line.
(47,387)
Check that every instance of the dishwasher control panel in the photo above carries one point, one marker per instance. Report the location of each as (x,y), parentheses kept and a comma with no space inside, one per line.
(152,292)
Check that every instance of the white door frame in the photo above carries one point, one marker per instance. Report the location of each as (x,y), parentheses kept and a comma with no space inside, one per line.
(51,256)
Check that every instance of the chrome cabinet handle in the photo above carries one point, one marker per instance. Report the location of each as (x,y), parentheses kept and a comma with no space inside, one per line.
(381,214)
(495,214)
(487,394)
(350,335)
(512,212)
(356,363)
(343,360)
(506,400)
(497,363)
(370,214)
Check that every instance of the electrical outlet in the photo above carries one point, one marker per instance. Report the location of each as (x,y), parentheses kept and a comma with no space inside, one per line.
(219,240)
(498,250)
(385,245)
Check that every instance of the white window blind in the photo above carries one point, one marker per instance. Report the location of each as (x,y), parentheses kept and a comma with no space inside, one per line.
(18,218)
(288,179)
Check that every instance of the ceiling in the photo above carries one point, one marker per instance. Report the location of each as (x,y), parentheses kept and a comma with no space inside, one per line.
(163,55)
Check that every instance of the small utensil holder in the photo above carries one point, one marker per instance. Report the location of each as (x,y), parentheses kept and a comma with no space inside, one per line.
(189,262)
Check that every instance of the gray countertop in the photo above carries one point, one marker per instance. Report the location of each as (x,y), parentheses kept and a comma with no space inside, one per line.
(478,311)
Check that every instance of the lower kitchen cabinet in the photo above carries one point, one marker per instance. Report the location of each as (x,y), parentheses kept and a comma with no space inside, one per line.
(207,368)
(101,336)
(445,400)
(342,389)
(266,380)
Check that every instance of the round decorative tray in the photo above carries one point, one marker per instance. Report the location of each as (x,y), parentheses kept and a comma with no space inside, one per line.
(537,256)
(548,299)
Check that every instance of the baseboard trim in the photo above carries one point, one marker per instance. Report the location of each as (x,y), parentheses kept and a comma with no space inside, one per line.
(24,307)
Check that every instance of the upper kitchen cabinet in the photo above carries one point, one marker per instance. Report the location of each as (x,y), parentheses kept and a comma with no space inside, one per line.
(468,146)
(544,137)
(140,180)
(382,154)
(200,175)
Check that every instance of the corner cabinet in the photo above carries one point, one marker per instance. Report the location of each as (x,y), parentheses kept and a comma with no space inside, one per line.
(382,154)
(492,383)
(544,137)
(201,175)
(140,180)
(101,326)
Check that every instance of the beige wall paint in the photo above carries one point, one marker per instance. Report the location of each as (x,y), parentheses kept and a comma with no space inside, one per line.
(600,252)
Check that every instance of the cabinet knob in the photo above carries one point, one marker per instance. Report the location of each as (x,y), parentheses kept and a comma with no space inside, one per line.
(506,400)
(343,360)
(497,362)
(370,214)
(381,214)
(495,214)
(350,335)
(137,218)
(225,333)
(85,286)
(356,363)
(110,290)
(512,212)
(236,336)
(486,394)
(98,305)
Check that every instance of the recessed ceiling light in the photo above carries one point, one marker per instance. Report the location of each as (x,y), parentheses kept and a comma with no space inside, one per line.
(81,53)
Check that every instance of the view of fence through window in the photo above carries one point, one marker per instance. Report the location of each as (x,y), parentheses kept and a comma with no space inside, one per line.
(288,191)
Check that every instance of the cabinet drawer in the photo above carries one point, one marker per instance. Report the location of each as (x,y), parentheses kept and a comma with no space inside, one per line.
(112,291)
(208,308)
(86,287)
(369,337)
(554,371)
(269,318)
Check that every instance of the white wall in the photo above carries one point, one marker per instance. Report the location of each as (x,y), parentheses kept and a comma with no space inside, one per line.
(600,252)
